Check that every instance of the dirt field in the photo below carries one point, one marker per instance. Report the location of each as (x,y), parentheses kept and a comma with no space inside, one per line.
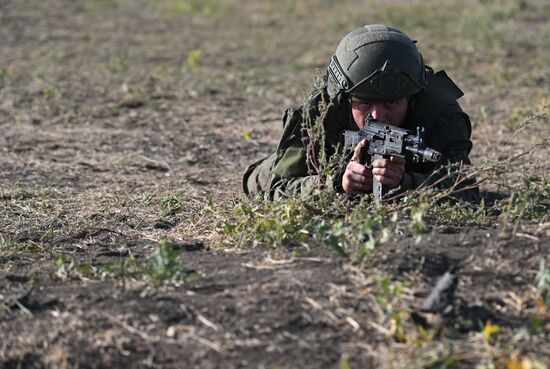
(128,122)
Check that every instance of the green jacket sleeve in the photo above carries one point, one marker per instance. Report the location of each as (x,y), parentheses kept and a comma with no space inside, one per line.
(260,179)
(285,173)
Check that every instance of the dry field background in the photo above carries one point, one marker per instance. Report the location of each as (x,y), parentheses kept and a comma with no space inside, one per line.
(125,240)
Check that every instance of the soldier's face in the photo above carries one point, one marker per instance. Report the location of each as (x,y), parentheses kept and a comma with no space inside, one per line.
(391,112)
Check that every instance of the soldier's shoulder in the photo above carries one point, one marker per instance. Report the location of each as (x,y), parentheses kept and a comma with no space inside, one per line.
(439,98)
(439,85)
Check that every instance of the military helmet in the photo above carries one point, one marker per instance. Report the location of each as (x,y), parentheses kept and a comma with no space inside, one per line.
(376,62)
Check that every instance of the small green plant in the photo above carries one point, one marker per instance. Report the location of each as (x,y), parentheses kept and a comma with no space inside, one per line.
(146,198)
(160,71)
(269,223)
(161,267)
(170,204)
(321,220)
(68,269)
(48,93)
(462,214)
(389,298)
(63,269)
(489,330)
(417,211)
(29,247)
(530,199)
(193,61)
(44,205)
(344,362)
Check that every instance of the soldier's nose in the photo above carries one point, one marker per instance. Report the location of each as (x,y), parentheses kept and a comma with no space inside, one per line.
(376,114)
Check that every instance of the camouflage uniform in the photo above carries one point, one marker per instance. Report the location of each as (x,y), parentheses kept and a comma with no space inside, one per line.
(435,109)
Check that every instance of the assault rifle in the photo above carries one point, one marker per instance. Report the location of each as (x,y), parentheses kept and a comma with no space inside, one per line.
(386,140)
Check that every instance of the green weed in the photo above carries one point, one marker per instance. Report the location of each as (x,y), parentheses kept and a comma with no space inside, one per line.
(193,61)
(530,199)
(271,224)
(389,298)
(10,247)
(324,220)
(44,205)
(463,214)
(170,204)
(418,207)
(145,198)
(160,71)
(69,269)
(161,267)
(48,93)
(344,362)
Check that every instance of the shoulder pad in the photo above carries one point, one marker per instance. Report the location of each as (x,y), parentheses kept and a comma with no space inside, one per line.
(439,93)
(441,83)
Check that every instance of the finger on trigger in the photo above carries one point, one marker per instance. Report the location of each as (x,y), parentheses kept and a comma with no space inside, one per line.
(358,152)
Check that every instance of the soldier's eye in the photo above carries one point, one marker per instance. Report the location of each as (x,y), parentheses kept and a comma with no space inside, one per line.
(362,103)
(391,103)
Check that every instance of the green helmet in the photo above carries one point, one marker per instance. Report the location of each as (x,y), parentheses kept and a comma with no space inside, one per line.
(376,62)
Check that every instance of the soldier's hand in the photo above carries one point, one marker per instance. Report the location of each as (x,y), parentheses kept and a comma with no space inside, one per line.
(390,171)
(357,177)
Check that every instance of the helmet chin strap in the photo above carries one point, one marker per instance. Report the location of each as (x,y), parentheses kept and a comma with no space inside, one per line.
(341,97)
